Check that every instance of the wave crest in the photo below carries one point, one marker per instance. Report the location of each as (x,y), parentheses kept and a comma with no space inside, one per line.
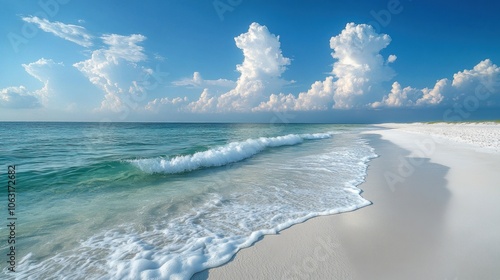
(219,156)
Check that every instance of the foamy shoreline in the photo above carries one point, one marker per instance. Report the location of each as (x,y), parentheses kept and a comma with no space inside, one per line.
(436,221)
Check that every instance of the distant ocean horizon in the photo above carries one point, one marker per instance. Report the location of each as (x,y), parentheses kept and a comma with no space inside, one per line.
(166,200)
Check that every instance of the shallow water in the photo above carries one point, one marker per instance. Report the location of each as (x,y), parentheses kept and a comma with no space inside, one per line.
(139,201)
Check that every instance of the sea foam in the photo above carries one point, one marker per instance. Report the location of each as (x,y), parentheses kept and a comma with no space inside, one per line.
(219,156)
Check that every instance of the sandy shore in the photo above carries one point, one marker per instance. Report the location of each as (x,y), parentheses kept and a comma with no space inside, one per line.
(435,215)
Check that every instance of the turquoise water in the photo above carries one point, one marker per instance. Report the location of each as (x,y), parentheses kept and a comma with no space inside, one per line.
(139,201)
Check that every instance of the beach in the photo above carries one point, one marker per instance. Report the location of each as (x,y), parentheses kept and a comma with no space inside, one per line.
(434,215)
(255,201)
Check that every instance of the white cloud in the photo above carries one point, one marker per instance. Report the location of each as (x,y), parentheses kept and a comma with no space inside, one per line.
(277,103)
(356,79)
(433,96)
(206,103)
(33,68)
(198,81)
(260,71)
(59,92)
(408,96)
(484,73)
(124,47)
(21,97)
(260,75)
(18,98)
(392,58)
(74,33)
(262,52)
(485,77)
(43,70)
(360,68)
(483,81)
(318,97)
(359,71)
(398,97)
(166,103)
(115,70)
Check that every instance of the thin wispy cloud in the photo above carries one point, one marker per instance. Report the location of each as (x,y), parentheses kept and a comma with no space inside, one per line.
(198,81)
(73,33)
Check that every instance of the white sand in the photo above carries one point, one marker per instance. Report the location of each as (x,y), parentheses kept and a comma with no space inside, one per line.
(435,215)
(484,135)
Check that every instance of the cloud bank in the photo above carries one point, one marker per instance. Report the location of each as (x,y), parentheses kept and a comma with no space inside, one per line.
(483,80)
(357,80)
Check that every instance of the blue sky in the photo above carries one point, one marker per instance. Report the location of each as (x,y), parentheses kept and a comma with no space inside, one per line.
(242,60)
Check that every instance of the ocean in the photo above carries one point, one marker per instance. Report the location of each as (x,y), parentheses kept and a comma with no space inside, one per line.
(166,200)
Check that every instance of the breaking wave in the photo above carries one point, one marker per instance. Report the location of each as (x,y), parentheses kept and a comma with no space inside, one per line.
(219,156)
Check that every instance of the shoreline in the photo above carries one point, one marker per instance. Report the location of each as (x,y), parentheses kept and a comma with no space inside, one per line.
(427,221)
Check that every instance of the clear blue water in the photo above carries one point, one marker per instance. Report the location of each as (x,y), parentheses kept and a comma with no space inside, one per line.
(139,201)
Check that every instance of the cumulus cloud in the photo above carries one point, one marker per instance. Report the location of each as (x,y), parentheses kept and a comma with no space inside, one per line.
(166,103)
(484,73)
(59,91)
(73,33)
(21,97)
(260,71)
(41,70)
(359,71)
(318,97)
(277,103)
(398,97)
(360,68)
(18,98)
(206,103)
(114,69)
(356,81)
(433,96)
(260,75)
(408,96)
(483,78)
(198,82)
